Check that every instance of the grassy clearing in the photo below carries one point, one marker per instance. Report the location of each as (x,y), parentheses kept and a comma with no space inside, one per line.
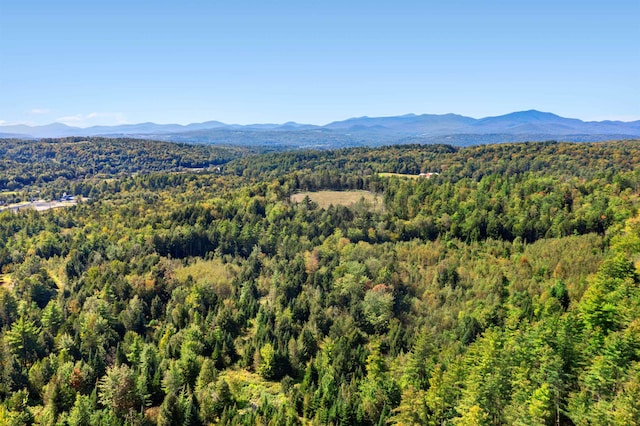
(249,388)
(55,267)
(209,272)
(398,175)
(343,198)
(57,277)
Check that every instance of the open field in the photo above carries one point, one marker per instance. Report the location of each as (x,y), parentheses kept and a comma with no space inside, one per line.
(342,198)
(384,174)
(408,176)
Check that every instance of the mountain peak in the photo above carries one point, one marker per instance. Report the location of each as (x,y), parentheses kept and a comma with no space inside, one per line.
(537,125)
(530,114)
(536,113)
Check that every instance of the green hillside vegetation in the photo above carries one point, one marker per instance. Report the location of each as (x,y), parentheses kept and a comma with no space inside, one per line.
(50,163)
(504,290)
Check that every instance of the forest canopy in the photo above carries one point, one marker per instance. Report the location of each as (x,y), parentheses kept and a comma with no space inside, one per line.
(190,287)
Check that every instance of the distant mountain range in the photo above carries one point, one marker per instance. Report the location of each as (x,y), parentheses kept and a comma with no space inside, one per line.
(427,128)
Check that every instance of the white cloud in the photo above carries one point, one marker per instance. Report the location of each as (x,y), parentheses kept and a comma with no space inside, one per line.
(70,120)
(93,119)
(39,111)
(16,123)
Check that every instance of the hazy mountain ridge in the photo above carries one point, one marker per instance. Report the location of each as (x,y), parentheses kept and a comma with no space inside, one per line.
(461,130)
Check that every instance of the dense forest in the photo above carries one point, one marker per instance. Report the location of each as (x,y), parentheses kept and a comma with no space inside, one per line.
(503,290)
(46,165)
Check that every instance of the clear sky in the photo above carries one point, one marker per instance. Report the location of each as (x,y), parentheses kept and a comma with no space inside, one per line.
(86,62)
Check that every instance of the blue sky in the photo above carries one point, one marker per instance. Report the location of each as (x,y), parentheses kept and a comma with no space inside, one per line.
(107,62)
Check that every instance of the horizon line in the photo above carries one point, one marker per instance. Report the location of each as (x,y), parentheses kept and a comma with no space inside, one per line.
(624,119)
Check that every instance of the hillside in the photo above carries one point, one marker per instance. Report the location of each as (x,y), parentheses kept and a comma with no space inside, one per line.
(321,287)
